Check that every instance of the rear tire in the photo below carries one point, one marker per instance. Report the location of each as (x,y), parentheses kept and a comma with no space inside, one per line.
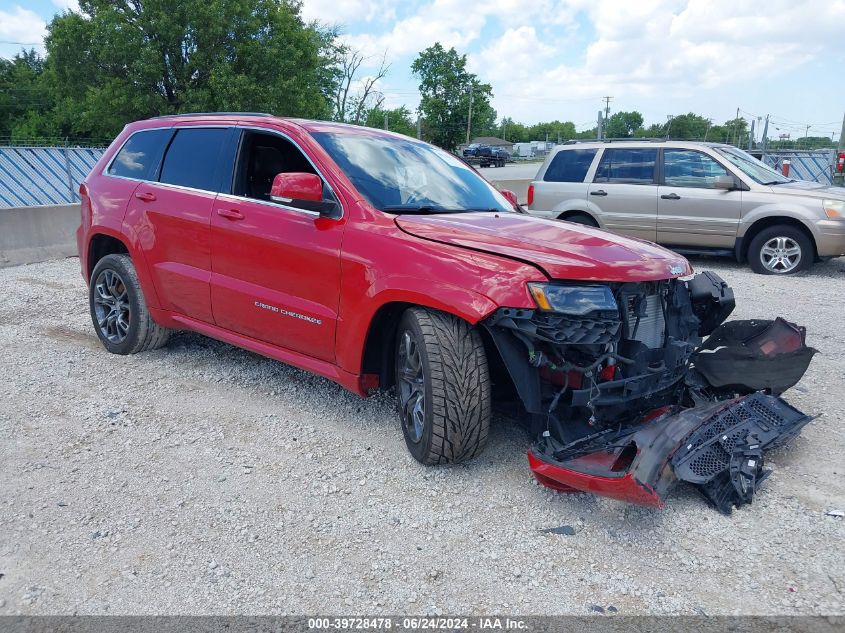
(581,218)
(118,309)
(442,387)
(780,250)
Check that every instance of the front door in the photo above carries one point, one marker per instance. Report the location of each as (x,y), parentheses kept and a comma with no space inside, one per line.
(625,191)
(275,267)
(690,210)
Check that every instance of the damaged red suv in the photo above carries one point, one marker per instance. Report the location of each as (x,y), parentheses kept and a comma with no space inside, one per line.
(377,260)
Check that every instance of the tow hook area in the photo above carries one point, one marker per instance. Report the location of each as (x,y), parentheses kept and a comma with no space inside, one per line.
(718,447)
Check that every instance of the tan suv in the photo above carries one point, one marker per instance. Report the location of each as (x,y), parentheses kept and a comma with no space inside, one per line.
(696,198)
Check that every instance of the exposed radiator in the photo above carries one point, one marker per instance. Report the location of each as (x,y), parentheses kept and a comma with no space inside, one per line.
(652,328)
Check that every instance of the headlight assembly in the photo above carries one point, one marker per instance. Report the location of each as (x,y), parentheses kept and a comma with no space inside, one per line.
(834,209)
(575,300)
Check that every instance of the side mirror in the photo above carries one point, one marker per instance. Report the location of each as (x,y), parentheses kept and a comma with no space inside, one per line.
(511,196)
(725,182)
(288,187)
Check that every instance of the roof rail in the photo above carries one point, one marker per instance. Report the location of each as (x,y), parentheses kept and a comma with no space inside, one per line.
(187,114)
(627,139)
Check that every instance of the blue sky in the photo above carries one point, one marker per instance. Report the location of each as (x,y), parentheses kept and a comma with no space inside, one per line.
(556,59)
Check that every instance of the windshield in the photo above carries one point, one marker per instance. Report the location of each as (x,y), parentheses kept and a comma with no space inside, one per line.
(400,175)
(751,167)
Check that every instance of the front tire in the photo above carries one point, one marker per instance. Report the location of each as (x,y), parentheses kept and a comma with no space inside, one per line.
(118,309)
(780,250)
(442,387)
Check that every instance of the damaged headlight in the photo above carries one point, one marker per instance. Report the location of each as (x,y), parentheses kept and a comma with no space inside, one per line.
(576,300)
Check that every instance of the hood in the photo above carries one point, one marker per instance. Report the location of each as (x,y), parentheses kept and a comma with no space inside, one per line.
(563,250)
(809,188)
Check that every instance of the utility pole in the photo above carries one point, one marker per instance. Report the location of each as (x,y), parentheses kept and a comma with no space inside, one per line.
(669,118)
(736,129)
(469,118)
(707,130)
(838,176)
(765,139)
(607,107)
(419,126)
(751,137)
(385,119)
(806,133)
(599,127)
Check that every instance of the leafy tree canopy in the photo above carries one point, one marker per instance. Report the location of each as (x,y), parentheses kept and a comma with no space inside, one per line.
(445,97)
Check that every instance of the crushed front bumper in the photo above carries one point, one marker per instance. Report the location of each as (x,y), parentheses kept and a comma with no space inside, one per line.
(718,447)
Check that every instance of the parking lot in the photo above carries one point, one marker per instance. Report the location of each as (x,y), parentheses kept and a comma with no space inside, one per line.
(202,478)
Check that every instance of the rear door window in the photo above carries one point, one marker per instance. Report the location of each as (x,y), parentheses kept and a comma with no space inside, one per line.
(688,168)
(570,165)
(627,166)
(192,158)
(140,155)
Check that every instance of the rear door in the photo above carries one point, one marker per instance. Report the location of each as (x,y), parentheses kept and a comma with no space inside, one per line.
(690,210)
(562,187)
(624,189)
(173,218)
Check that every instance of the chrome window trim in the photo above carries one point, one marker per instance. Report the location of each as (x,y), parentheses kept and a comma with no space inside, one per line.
(267,203)
(228,196)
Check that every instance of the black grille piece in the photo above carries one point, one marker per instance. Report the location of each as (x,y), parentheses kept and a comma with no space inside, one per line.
(577,330)
(724,456)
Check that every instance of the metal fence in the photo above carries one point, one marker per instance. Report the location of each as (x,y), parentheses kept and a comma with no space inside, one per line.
(31,176)
(815,165)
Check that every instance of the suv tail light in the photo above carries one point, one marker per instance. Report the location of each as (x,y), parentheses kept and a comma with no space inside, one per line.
(840,162)
(531,191)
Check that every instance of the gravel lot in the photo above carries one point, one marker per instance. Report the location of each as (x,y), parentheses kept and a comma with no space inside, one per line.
(204,479)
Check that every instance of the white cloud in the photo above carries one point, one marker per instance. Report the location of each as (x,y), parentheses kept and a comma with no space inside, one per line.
(69,5)
(343,11)
(25,28)
(650,48)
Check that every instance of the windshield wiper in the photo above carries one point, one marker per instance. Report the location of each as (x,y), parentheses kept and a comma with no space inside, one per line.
(421,209)
(777,182)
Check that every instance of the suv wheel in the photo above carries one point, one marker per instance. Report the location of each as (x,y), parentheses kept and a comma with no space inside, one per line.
(443,387)
(780,250)
(118,309)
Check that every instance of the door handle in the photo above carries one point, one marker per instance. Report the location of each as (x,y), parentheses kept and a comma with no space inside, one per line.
(671,196)
(598,192)
(230,214)
(146,196)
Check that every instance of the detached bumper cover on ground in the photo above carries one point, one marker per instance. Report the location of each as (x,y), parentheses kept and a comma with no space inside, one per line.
(718,447)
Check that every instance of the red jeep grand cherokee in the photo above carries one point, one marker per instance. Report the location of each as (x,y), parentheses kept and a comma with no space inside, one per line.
(374,259)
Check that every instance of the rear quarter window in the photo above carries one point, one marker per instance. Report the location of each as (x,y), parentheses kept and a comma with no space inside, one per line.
(140,155)
(570,165)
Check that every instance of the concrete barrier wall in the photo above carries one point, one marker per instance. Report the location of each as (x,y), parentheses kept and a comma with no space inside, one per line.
(36,234)
(519,187)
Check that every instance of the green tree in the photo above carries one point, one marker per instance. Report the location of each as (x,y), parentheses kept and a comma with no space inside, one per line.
(116,61)
(623,124)
(688,126)
(445,97)
(25,98)
(556,130)
(398,120)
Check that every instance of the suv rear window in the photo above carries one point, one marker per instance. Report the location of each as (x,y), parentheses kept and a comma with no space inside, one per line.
(570,165)
(140,155)
(191,159)
(627,166)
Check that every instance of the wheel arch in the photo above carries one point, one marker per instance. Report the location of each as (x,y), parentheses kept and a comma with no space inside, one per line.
(378,357)
(767,222)
(101,244)
(573,212)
